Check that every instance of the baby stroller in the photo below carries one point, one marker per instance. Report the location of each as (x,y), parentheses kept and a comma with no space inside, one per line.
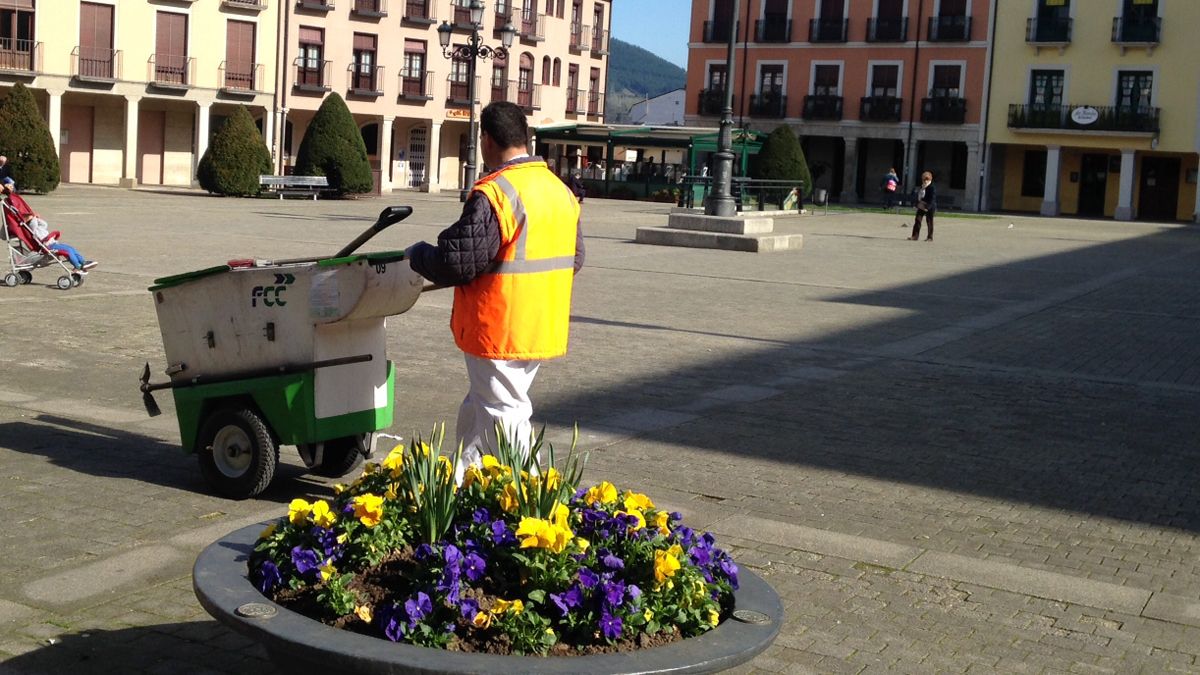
(26,252)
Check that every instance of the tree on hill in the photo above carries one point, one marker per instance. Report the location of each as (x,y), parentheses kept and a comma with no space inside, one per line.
(236,157)
(635,74)
(334,148)
(25,140)
(782,158)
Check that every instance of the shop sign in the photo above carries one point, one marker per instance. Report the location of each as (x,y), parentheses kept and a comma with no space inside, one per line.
(1085,115)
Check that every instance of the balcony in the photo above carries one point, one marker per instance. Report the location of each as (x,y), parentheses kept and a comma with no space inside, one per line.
(887,30)
(575,100)
(880,109)
(949,29)
(532,27)
(315,5)
(369,9)
(822,107)
(240,78)
(417,12)
(252,5)
(717,31)
(171,71)
(1136,32)
(529,97)
(944,110)
(1053,32)
(20,56)
(1141,120)
(581,38)
(96,64)
(500,91)
(828,30)
(503,14)
(462,15)
(599,42)
(595,104)
(773,29)
(712,102)
(416,86)
(365,80)
(770,105)
(458,91)
(311,75)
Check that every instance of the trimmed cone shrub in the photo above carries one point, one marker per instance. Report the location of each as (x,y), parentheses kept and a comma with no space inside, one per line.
(781,158)
(334,148)
(25,140)
(235,158)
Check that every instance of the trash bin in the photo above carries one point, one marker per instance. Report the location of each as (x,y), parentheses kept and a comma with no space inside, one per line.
(266,353)
(820,195)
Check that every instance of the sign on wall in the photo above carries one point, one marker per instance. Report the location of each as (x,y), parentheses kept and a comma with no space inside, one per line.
(1084,115)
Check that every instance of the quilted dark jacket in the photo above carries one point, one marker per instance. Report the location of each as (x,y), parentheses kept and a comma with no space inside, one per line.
(466,248)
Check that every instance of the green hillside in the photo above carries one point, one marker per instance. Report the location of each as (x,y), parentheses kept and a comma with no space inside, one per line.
(635,74)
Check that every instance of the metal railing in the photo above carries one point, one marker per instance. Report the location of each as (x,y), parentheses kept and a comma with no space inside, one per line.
(369,8)
(23,56)
(257,5)
(581,37)
(770,105)
(575,99)
(1129,30)
(311,75)
(96,63)
(316,5)
(773,29)
(595,104)
(949,29)
(749,194)
(1106,118)
(828,30)
(944,110)
(887,29)
(364,79)
(529,98)
(880,108)
(1048,31)
(599,42)
(458,92)
(717,31)
(462,14)
(532,26)
(712,102)
(416,85)
(171,70)
(822,107)
(418,11)
(245,77)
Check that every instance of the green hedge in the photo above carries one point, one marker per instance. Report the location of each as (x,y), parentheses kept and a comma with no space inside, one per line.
(25,140)
(334,148)
(235,157)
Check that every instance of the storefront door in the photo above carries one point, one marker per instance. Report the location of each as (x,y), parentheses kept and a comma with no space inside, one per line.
(1159,198)
(1093,182)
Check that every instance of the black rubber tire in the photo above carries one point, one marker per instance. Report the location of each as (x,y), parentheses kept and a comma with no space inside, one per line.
(235,476)
(25,276)
(340,457)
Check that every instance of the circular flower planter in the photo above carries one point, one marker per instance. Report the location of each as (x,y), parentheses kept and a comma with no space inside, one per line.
(298,644)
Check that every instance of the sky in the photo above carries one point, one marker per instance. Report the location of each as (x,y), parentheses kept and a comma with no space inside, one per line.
(660,26)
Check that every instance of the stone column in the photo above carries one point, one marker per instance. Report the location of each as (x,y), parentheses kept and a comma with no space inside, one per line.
(433,159)
(54,120)
(1050,198)
(385,154)
(974,178)
(202,111)
(129,172)
(850,173)
(269,132)
(1125,194)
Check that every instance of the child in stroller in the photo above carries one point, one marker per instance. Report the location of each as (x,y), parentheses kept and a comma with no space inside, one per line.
(33,245)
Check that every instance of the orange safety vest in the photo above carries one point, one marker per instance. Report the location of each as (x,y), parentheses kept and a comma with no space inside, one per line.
(520,307)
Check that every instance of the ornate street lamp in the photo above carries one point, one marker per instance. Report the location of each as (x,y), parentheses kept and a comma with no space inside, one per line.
(474,49)
(720,202)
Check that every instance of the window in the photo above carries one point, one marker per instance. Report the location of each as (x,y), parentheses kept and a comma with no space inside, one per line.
(958,166)
(364,62)
(1134,89)
(572,77)
(170,48)
(1046,88)
(16,39)
(885,80)
(716,77)
(458,81)
(96,54)
(414,68)
(947,82)
(1033,174)
(825,79)
(309,66)
(499,82)
(594,105)
(545,70)
(557,71)
(239,55)
(558,10)
(525,81)
(770,79)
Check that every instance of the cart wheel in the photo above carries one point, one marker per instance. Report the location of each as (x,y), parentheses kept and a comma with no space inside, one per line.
(11,279)
(26,276)
(64,282)
(77,278)
(236,452)
(340,457)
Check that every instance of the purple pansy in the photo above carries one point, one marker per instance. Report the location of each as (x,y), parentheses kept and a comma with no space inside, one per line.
(730,569)
(481,516)
(417,608)
(588,578)
(568,600)
(474,567)
(633,591)
(611,561)
(423,551)
(614,592)
(305,559)
(501,535)
(610,625)
(268,577)
(468,609)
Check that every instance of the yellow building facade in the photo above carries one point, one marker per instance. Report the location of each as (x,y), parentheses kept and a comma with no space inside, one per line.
(1093,109)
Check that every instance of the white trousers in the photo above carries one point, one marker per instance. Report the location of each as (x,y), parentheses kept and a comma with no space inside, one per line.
(498,394)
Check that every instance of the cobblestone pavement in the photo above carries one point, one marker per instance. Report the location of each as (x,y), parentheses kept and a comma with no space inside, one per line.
(972,455)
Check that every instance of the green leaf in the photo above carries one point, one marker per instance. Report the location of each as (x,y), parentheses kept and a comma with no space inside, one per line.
(537,595)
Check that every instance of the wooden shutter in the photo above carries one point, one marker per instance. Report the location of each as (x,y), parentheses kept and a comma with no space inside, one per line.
(171,34)
(311,36)
(239,47)
(364,42)
(95,26)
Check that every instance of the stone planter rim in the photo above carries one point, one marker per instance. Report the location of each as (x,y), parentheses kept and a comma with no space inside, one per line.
(221,582)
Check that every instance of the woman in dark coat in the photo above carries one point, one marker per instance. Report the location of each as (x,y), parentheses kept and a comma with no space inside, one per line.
(926,198)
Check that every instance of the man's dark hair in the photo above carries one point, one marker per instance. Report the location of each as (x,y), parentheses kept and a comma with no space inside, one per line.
(505,123)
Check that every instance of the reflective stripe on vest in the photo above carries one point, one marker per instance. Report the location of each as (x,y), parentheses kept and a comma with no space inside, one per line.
(519,265)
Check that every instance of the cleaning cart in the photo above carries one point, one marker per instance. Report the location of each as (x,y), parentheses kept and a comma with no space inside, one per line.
(265,353)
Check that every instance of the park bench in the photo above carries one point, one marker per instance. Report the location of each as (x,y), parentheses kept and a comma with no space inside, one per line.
(294,185)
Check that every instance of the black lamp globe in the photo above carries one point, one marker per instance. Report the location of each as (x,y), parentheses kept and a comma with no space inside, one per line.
(476,12)
(507,34)
(444,33)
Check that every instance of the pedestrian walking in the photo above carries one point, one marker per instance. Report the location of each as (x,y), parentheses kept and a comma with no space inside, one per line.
(925,197)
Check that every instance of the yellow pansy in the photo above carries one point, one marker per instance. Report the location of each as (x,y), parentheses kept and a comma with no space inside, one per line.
(559,514)
(327,570)
(298,511)
(605,493)
(321,514)
(392,491)
(339,488)
(648,614)
(445,466)
(508,498)
(368,508)
(582,544)
(713,617)
(665,565)
(553,478)
(506,606)
(482,620)
(661,518)
(491,465)
(270,530)
(641,520)
(637,500)
(472,476)
(364,612)
(394,461)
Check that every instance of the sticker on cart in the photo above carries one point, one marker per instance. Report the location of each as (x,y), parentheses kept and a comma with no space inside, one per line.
(324,301)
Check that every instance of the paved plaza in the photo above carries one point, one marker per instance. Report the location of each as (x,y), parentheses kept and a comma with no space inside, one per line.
(978,454)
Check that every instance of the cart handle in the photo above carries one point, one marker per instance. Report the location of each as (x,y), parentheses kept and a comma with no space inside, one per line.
(387,217)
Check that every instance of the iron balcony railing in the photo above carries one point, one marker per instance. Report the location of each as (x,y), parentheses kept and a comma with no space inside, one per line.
(240,77)
(949,28)
(311,74)
(1138,31)
(822,107)
(364,79)
(717,31)
(575,100)
(418,11)
(315,5)
(256,5)
(581,37)
(458,91)
(21,56)
(371,9)
(599,42)
(770,105)
(773,29)
(712,102)
(96,63)
(828,30)
(500,91)
(1143,119)
(595,104)
(416,85)
(880,109)
(532,26)
(1048,31)
(944,110)
(887,29)
(528,97)
(171,70)
(462,14)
